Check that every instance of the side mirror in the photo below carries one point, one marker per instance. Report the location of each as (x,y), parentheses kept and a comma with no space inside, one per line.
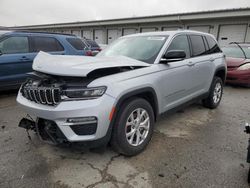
(173,55)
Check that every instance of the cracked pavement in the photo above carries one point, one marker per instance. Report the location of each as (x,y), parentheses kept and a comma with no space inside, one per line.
(195,147)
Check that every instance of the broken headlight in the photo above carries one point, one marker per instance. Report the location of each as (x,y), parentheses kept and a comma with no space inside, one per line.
(83,93)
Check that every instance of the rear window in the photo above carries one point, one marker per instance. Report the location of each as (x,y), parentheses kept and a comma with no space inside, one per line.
(77,43)
(46,44)
(213,46)
(198,46)
(93,44)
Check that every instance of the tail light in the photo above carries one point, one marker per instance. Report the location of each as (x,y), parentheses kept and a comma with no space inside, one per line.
(89,53)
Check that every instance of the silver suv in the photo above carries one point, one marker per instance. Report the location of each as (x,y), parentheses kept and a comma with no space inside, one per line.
(116,96)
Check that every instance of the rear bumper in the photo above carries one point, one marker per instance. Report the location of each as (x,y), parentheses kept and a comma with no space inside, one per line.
(99,108)
(238,77)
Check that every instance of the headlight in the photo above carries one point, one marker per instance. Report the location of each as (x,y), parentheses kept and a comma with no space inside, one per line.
(83,93)
(244,67)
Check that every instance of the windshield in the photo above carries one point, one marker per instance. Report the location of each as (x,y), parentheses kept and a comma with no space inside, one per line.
(236,52)
(142,48)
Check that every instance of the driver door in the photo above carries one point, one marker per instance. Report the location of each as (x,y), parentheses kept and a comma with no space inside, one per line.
(176,81)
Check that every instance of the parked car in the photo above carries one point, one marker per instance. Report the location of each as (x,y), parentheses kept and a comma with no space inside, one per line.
(117,96)
(238,63)
(92,45)
(18,49)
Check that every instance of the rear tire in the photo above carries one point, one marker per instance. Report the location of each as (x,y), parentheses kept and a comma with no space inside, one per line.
(215,94)
(133,127)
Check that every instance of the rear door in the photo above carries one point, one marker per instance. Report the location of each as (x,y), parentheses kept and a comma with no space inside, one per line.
(15,60)
(202,64)
(46,44)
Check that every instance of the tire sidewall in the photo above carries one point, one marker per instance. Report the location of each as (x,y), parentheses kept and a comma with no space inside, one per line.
(215,81)
(122,120)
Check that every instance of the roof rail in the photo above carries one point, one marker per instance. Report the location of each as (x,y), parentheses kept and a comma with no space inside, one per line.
(44,32)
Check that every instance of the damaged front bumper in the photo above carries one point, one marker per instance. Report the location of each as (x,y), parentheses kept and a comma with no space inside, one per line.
(69,121)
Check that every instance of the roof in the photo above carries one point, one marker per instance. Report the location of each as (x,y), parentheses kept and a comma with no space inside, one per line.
(210,14)
(170,33)
(33,32)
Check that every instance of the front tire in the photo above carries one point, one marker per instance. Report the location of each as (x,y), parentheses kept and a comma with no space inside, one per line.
(133,128)
(215,94)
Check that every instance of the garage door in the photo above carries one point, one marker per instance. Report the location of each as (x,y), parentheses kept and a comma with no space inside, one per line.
(148,29)
(170,28)
(232,33)
(99,36)
(129,31)
(205,29)
(113,34)
(67,31)
(77,33)
(87,34)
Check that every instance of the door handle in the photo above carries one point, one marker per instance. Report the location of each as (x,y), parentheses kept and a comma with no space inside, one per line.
(190,63)
(24,58)
(211,59)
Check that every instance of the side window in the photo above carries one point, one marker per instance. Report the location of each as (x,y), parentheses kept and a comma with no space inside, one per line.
(46,44)
(77,43)
(198,46)
(14,45)
(213,46)
(180,43)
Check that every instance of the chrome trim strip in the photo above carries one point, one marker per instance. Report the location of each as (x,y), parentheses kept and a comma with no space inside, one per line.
(53,97)
(34,94)
(47,97)
(40,97)
(30,96)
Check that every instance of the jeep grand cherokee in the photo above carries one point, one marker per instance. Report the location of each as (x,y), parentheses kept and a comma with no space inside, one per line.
(116,96)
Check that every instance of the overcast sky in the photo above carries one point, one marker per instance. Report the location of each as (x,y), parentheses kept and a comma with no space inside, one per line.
(29,12)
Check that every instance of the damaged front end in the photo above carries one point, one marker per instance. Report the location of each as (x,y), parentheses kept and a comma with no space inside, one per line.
(48,90)
(47,130)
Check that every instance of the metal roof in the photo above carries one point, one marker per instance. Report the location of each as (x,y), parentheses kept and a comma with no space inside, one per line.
(210,14)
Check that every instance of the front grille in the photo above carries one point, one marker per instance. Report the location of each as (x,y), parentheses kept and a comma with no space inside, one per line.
(41,95)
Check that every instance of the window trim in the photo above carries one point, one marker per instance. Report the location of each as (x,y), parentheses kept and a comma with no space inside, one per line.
(86,45)
(10,36)
(206,37)
(181,34)
(32,46)
(192,56)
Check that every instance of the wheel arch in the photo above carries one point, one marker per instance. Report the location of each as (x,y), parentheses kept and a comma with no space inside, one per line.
(147,93)
(221,72)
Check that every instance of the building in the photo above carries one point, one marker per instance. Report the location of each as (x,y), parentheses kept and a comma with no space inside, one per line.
(229,25)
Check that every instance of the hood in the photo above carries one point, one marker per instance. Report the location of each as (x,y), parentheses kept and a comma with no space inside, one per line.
(235,62)
(79,66)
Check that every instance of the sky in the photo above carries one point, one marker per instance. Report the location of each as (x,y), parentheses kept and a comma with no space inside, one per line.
(35,12)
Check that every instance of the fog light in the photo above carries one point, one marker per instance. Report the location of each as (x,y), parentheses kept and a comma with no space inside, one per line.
(90,119)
